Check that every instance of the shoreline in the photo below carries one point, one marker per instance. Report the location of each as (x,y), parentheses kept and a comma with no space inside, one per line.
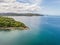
(13,28)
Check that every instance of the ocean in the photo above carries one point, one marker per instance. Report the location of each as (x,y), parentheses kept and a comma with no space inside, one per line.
(44,30)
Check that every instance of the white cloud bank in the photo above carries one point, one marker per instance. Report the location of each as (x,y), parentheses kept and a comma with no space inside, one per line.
(19,7)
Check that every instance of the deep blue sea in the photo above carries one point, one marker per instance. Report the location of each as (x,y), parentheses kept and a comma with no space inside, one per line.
(44,30)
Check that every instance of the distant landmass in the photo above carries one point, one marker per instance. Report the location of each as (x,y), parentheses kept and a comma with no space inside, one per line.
(20,14)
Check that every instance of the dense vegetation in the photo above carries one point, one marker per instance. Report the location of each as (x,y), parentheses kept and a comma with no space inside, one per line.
(10,22)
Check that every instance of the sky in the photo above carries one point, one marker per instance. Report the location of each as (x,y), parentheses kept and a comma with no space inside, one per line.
(51,7)
(47,7)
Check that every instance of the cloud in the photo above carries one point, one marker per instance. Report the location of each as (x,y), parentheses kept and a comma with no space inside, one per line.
(7,1)
(36,1)
(19,7)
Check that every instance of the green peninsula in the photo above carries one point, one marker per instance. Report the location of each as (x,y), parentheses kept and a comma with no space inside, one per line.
(7,23)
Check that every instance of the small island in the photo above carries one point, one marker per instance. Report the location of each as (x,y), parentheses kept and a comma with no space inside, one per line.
(7,23)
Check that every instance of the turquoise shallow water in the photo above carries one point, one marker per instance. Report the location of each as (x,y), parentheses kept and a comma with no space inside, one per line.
(44,30)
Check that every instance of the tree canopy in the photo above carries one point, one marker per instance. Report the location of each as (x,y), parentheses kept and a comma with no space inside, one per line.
(10,22)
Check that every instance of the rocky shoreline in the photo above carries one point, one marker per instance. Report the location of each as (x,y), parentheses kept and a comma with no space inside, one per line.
(13,28)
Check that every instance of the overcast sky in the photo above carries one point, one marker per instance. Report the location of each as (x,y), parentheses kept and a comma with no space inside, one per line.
(50,7)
